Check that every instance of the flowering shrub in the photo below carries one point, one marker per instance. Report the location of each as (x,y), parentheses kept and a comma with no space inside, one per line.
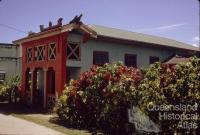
(9,89)
(169,86)
(3,93)
(100,97)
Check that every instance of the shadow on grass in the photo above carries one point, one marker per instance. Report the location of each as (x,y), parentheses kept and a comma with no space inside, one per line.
(57,121)
(28,113)
(17,108)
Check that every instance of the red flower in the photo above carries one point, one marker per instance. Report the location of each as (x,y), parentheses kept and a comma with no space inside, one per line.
(74,92)
(74,83)
(107,76)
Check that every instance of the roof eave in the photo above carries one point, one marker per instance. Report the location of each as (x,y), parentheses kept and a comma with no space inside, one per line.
(157,45)
(65,28)
(38,36)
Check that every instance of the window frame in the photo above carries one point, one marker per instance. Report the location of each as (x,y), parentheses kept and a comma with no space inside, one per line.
(29,54)
(73,50)
(150,59)
(100,52)
(49,48)
(36,56)
(3,75)
(125,61)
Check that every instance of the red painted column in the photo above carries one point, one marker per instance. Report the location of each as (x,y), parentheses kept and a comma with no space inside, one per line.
(33,54)
(23,81)
(64,59)
(61,63)
(46,52)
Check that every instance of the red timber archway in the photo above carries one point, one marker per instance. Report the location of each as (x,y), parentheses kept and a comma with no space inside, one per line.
(44,61)
(45,54)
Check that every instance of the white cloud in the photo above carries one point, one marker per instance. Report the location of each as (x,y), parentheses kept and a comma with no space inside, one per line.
(162,28)
(196,45)
(169,27)
(196,41)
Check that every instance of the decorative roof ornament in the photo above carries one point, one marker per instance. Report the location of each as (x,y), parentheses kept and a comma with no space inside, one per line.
(41,27)
(50,24)
(76,19)
(60,21)
(30,33)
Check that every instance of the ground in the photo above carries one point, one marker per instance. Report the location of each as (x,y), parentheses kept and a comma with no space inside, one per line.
(11,125)
(15,119)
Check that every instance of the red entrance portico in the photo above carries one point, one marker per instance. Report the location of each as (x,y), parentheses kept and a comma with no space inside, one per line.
(44,59)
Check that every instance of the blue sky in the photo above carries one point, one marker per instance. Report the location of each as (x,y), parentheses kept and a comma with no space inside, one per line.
(175,19)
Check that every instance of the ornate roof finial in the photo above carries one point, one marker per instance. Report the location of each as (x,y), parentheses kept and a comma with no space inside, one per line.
(41,28)
(60,21)
(76,19)
(50,24)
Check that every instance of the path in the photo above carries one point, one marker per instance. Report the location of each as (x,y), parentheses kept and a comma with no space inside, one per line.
(10,125)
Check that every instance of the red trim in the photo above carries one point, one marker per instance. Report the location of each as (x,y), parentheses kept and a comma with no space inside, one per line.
(58,64)
(86,37)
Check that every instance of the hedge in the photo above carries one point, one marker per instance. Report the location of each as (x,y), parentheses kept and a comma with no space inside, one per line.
(100,97)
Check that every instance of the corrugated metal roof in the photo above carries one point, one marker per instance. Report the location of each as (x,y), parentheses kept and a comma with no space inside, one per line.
(128,35)
(177,59)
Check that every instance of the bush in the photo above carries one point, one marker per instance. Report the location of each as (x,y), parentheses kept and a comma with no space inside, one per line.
(99,98)
(3,93)
(9,89)
(171,86)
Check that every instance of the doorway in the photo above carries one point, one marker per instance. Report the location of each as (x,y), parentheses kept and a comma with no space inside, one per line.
(39,91)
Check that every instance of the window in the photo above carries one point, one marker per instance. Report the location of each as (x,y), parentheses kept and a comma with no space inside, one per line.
(131,60)
(153,59)
(39,53)
(100,58)
(28,54)
(2,77)
(73,51)
(52,51)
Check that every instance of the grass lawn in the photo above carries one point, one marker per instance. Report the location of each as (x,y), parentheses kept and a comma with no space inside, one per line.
(38,118)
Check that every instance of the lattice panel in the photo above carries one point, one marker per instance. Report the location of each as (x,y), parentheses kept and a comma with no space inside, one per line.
(51,100)
(52,51)
(29,54)
(40,53)
(73,51)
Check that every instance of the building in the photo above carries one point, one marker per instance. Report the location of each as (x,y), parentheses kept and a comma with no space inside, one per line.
(60,52)
(176,60)
(10,61)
